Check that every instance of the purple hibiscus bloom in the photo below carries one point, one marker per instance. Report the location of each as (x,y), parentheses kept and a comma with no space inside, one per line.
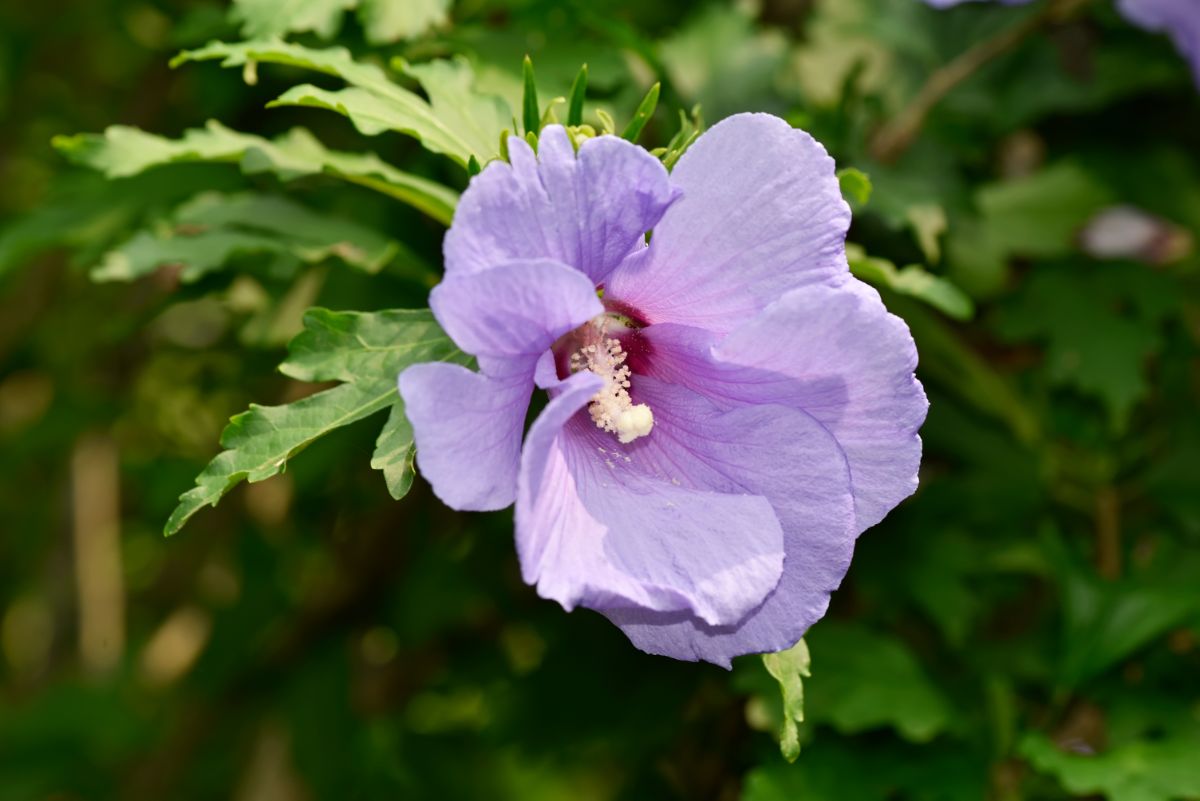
(728,408)
(1179,19)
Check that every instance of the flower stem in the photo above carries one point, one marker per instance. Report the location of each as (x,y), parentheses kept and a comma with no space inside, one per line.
(897,135)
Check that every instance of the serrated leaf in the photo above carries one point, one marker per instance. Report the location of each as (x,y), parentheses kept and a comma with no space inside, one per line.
(367,351)
(868,680)
(1097,341)
(913,281)
(395,453)
(790,668)
(388,21)
(456,120)
(122,151)
(207,232)
(278,17)
(385,21)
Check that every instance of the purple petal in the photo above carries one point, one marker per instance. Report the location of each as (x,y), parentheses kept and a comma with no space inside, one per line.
(778,453)
(1179,18)
(513,311)
(821,335)
(467,428)
(597,529)
(834,352)
(761,214)
(589,211)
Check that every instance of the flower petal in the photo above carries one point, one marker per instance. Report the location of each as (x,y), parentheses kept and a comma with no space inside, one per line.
(824,335)
(1179,18)
(589,210)
(761,213)
(467,428)
(514,311)
(594,531)
(775,452)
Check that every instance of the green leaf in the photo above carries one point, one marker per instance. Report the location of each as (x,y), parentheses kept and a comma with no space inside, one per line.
(365,351)
(645,111)
(856,186)
(1143,770)
(790,668)
(878,769)
(456,120)
(387,21)
(395,454)
(278,17)
(211,229)
(1039,215)
(530,111)
(959,369)
(690,128)
(1098,341)
(1107,621)
(578,94)
(122,151)
(724,60)
(913,281)
(927,222)
(868,680)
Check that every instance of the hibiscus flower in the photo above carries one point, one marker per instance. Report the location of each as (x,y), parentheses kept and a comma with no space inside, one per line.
(728,408)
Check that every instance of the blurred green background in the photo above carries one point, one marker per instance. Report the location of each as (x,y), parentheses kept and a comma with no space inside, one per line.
(1025,627)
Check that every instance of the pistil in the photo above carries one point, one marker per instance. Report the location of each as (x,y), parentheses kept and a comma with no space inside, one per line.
(611,408)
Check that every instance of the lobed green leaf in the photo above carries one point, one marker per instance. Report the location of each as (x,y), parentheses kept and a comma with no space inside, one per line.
(122,151)
(456,120)
(207,232)
(366,351)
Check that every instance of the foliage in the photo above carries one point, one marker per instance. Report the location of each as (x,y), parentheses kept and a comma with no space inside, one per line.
(1025,627)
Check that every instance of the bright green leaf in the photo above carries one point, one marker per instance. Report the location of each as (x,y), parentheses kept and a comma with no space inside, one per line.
(387,21)
(530,110)
(366,351)
(913,281)
(645,111)
(578,95)
(456,120)
(790,668)
(278,17)
(856,186)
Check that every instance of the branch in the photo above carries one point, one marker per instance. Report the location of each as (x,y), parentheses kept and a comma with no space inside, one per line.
(896,136)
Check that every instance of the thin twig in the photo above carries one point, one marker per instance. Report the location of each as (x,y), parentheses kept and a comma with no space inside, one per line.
(1108,533)
(895,137)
